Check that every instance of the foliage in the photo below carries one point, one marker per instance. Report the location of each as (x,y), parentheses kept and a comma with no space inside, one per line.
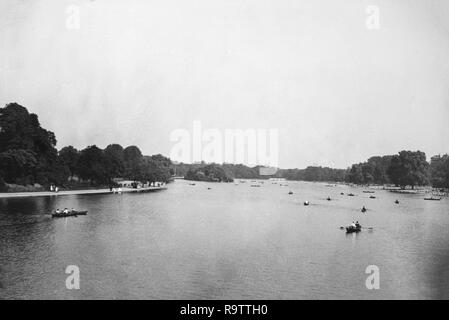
(68,157)
(409,168)
(210,173)
(27,151)
(439,171)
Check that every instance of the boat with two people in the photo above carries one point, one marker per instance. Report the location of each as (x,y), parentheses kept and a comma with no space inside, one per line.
(354,227)
(68,213)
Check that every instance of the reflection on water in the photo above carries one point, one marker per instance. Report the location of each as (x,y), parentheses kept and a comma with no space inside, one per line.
(229,241)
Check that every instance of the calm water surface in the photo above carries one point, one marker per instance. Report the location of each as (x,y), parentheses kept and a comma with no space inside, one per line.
(232,241)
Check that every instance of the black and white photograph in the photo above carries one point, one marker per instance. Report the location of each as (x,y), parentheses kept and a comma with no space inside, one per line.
(216,150)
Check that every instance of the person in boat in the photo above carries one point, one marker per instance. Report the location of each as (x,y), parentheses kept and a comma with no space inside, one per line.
(363,209)
(66,210)
(357,225)
(58,211)
(353,224)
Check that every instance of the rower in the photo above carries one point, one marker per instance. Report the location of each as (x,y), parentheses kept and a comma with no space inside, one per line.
(58,211)
(357,224)
(353,224)
(66,210)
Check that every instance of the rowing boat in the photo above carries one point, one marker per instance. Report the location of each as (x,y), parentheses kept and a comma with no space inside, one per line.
(351,229)
(69,214)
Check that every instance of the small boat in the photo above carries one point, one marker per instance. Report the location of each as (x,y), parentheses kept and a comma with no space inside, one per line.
(397,202)
(368,191)
(432,198)
(351,194)
(69,214)
(255,185)
(291,192)
(351,229)
(306,203)
(363,209)
(328,199)
(372,197)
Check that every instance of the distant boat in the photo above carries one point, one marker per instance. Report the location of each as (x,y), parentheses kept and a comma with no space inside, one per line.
(368,191)
(306,203)
(255,185)
(351,194)
(69,214)
(290,192)
(433,198)
(372,197)
(397,202)
(351,229)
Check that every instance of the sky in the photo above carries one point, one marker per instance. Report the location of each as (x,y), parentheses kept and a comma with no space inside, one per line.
(337,87)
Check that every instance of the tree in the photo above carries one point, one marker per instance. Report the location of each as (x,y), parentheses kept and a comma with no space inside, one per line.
(211,173)
(355,174)
(23,142)
(69,157)
(132,157)
(18,166)
(92,165)
(409,168)
(439,171)
(115,159)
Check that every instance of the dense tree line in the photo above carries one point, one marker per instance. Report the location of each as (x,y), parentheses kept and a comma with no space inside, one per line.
(28,155)
(405,169)
(233,171)
(210,173)
(373,171)
(439,171)
(314,173)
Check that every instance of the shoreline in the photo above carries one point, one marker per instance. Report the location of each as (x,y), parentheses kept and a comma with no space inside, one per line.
(75,192)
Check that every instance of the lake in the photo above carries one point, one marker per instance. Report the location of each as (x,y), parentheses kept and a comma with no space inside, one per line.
(227,242)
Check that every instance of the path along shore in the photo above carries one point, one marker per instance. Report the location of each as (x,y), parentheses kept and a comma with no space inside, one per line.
(74,192)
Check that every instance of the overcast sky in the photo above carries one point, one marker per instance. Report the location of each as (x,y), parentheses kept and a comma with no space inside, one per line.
(134,71)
